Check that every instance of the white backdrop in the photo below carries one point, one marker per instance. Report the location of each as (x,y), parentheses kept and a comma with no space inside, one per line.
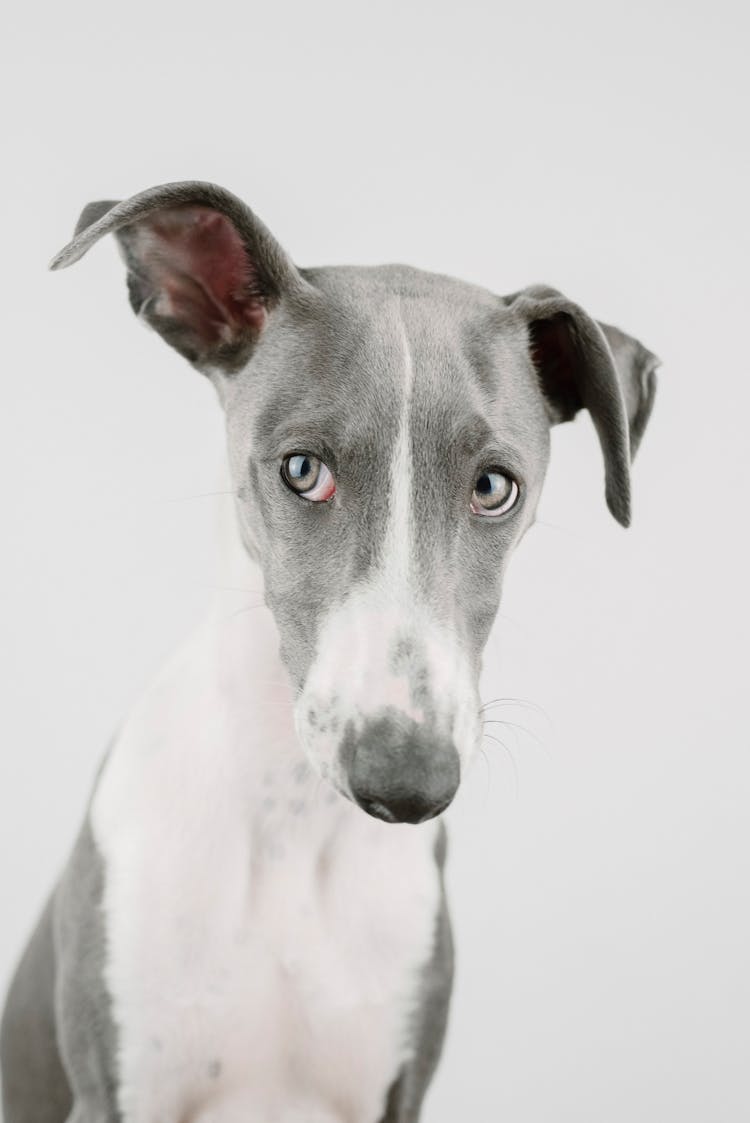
(599,867)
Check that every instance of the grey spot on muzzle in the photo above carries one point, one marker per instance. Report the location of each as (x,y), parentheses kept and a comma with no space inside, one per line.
(400,771)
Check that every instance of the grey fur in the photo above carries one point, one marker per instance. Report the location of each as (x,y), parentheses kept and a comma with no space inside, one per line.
(323,377)
(86,1032)
(58,1040)
(35,1087)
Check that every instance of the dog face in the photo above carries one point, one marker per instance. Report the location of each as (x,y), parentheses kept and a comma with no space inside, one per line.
(388,435)
(388,444)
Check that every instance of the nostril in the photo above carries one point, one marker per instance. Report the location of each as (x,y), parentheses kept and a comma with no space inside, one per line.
(408,809)
(377,810)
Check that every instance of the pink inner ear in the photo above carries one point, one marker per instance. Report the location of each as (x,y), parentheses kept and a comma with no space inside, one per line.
(201,274)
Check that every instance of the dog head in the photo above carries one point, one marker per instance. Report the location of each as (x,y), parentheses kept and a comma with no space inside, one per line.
(388,434)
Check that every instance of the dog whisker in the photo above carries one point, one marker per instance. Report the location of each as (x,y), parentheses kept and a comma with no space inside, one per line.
(515,725)
(522,702)
(488,768)
(508,700)
(514,765)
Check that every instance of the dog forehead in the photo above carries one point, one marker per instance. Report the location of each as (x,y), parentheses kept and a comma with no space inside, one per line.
(337,363)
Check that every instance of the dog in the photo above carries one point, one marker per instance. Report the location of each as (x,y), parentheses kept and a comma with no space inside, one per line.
(252,927)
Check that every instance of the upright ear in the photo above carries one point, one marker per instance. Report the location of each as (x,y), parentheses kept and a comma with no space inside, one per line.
(202,269)
(583,364)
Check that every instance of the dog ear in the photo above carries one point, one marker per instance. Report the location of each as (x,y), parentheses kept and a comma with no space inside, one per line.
(202,269)
(583,364)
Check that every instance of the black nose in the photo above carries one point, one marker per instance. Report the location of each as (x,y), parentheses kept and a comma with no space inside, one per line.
(400,771)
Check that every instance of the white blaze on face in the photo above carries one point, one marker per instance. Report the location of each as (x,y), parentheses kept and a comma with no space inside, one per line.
(397,560)
(380,649)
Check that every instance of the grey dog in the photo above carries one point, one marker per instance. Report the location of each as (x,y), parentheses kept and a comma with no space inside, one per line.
(252,925)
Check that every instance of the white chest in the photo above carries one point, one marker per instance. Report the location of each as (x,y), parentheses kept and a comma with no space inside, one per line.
(265,938)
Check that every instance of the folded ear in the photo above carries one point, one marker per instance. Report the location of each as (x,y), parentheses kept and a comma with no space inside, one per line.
(202,269)
(583,364)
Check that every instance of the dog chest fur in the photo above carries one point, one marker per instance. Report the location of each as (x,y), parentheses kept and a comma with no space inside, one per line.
(265,939)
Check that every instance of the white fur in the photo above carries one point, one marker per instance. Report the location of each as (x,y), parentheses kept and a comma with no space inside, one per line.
(397,561)
(265,937)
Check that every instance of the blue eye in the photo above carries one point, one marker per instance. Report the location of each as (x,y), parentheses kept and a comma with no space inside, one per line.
(494,493)
(308,477)
(301,468)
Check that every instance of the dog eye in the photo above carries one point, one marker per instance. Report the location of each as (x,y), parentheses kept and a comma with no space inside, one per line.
(309,477)
(494,494)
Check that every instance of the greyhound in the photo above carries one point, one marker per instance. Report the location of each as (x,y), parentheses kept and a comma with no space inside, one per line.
(252,925)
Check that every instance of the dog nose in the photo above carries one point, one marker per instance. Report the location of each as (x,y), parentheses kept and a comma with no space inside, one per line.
(402,772)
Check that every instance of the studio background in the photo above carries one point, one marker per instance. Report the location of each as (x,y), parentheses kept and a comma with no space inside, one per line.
(599,863)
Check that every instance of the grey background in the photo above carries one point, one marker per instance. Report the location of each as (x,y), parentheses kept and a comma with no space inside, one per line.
(599,864)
